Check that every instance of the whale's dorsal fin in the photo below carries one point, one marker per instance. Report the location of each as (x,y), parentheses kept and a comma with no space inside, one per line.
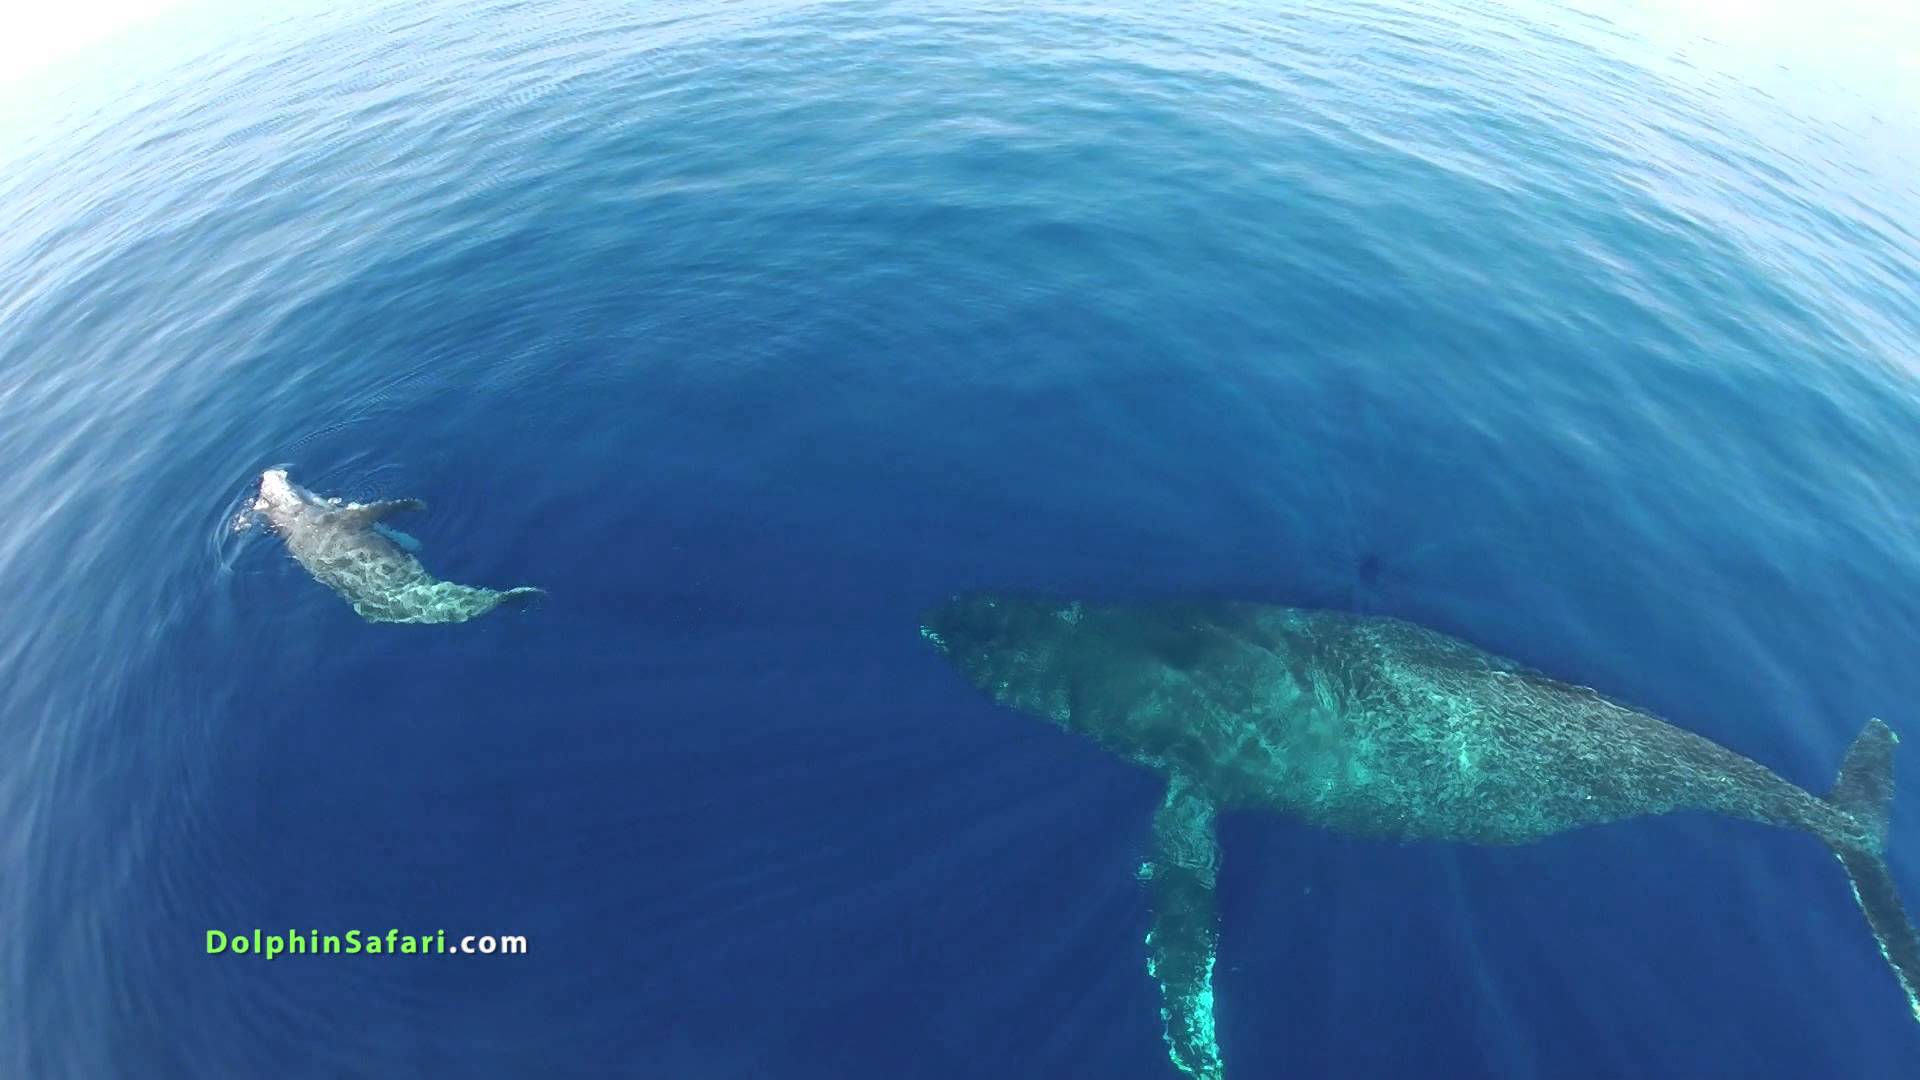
(365,514)
(1179,876)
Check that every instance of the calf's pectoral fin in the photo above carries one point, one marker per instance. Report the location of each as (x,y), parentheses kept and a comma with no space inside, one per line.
(405,541)
(1184,926)
(365,514)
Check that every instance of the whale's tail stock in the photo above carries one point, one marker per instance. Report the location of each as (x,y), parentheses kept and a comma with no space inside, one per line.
(1864,791)
(443,602)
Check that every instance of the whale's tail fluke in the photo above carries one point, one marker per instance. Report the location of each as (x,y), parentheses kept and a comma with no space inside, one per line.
(1864,791)
(1864,788)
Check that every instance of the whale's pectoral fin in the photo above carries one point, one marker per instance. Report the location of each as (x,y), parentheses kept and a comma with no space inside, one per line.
(1179,876)
(365,514)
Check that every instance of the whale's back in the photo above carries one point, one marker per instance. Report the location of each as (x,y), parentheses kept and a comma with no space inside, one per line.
(345,550)
(1379,726)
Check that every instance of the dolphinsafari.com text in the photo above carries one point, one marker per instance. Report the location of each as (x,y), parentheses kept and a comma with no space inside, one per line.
(361,943)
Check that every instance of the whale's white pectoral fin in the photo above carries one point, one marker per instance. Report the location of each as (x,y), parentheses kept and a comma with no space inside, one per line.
(1184,926)
(365,514)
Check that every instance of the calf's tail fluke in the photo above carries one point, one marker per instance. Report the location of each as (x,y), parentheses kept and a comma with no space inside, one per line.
(1864,791)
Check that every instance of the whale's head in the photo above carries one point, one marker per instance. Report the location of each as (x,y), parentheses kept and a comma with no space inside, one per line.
(1111,670)
(1024,651)
(278,498)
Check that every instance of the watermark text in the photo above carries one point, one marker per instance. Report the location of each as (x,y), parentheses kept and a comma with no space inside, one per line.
(361,942)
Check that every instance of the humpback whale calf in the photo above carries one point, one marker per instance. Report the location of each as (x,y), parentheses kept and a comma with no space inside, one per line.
(1372,726)
(345,548)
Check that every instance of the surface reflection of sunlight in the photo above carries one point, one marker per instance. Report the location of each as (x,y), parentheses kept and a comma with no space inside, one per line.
(1865,46)
(40,34)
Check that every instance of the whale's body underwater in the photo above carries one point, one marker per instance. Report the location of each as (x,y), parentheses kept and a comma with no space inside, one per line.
(1372,726)
(345,547)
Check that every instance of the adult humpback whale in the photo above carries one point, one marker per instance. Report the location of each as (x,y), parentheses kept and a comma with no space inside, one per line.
(1372,726)
(343,546)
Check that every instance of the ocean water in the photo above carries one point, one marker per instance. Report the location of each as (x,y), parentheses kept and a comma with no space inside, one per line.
(749,330)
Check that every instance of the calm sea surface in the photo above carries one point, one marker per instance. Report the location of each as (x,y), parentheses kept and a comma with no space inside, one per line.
(748,330)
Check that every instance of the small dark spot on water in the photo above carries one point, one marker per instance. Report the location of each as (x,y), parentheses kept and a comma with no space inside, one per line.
(1368,572)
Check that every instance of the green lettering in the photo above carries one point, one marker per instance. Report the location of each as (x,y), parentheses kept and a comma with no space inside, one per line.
(353,941)
(275,945)
(216,946)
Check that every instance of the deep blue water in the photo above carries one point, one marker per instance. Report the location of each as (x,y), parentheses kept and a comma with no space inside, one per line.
(750,330)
